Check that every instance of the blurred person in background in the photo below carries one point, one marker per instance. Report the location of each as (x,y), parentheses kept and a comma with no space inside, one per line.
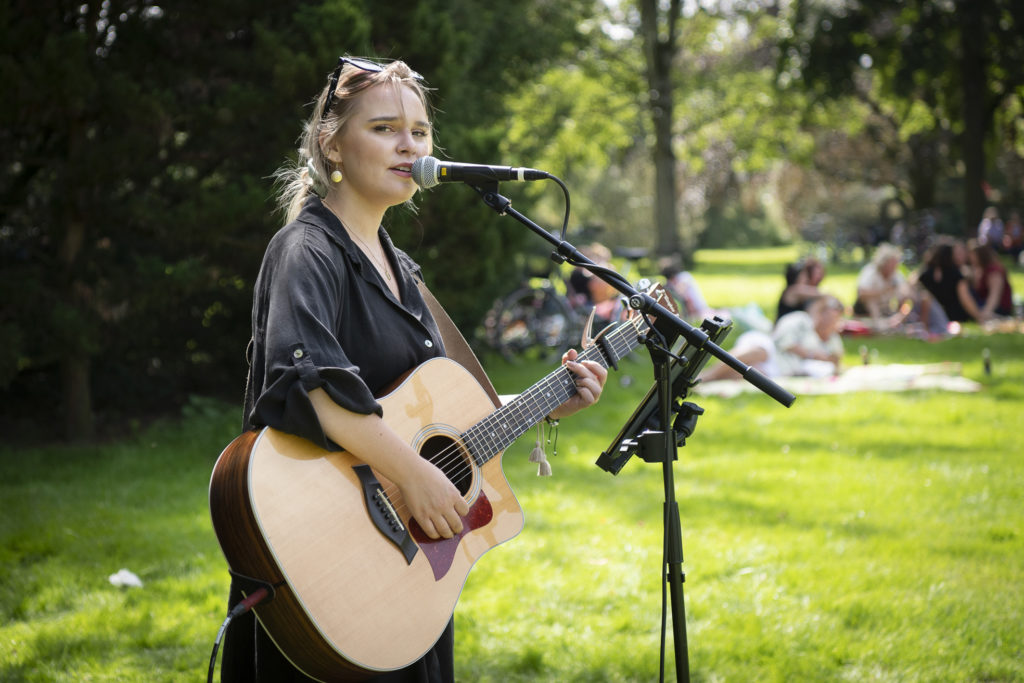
(684,288)
(803,343)
(1013,236)
(990,282)
(883,295)
(942,276)
(990,229)
(589,292)
(803,280)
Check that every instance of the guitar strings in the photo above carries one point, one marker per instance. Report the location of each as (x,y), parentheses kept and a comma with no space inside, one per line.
(451,460)
(453,454)
(620,345)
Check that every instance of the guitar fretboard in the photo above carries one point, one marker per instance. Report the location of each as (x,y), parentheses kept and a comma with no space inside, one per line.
(494,433)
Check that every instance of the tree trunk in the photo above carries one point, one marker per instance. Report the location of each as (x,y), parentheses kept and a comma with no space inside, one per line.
(924,168)
(972,75)
(76,389)
(76,382)
(659,54)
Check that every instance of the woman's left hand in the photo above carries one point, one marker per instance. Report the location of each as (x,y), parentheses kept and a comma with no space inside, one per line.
(590,379)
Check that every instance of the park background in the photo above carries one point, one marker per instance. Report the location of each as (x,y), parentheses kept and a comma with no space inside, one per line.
(867,536)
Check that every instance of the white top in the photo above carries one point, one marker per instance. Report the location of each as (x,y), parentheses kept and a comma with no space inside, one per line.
(797,329)
(892,288)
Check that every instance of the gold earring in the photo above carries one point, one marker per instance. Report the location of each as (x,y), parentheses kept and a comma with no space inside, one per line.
(336,176)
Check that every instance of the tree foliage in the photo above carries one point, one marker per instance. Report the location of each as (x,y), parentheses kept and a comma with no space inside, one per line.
(935,73)
(138,145)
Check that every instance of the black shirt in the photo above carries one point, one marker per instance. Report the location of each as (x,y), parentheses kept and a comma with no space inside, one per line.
(943,283)
(784,307)
(323,317)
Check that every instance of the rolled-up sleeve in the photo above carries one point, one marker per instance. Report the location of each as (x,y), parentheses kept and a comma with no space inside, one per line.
(300,295)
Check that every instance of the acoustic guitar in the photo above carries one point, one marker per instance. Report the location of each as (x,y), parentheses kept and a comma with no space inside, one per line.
(359,588)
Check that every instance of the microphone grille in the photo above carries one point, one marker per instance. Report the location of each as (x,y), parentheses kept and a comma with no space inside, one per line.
(424,172)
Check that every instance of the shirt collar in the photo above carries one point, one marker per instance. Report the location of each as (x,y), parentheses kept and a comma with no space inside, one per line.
(316,213)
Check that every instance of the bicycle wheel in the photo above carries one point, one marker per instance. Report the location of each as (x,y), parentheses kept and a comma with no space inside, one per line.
(534,323)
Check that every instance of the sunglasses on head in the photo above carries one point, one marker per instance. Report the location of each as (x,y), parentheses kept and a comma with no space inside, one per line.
(363,64)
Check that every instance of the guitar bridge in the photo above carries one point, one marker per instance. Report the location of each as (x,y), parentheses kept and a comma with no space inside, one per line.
(383,513)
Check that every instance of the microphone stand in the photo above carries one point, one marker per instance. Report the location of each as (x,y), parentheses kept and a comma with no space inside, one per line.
(662,408)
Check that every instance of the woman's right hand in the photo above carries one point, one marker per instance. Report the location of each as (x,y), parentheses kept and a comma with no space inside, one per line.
(429,495)
(433,500)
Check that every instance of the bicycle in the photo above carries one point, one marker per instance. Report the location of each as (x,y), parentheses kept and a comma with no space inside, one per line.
(540,319)
(534,322)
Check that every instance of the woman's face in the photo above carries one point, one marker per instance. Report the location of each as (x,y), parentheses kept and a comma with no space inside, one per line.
(959,254)
(387,131)
(816,273)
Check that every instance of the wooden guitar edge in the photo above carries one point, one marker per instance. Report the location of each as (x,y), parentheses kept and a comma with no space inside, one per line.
(248,554)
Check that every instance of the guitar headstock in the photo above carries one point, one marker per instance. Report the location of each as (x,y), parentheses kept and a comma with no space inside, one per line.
(658,292)
(633,317)
(660,295)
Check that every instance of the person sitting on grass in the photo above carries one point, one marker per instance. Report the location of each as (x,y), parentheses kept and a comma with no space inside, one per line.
(587,291)
(803,343)
(684,288)
(942,276)
(882,290)
(803,280)
(991,283)
(892,304)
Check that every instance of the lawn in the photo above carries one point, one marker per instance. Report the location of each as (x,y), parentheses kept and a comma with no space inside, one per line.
(869,536)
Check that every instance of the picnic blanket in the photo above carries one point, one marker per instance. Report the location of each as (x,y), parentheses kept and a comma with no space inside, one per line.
(892,377)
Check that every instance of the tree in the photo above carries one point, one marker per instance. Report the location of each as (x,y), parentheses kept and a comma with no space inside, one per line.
(659,30)
(593,125)
(938,71)
(132,189)
(731,127)
(135,194)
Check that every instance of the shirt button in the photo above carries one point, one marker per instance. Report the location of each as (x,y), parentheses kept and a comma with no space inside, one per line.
(429,344)
(297,353)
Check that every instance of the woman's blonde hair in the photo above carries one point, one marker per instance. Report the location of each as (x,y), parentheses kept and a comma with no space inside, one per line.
(886,251)
(312,168)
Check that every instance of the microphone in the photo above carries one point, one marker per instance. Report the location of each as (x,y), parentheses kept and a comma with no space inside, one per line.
(428,172)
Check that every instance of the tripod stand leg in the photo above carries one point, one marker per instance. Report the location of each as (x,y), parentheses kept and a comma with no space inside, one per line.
(672,530)
(675,577)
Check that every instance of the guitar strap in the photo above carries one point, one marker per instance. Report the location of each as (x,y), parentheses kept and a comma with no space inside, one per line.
(455,345)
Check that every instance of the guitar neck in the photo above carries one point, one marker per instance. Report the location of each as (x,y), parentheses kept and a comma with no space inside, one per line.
(497,431)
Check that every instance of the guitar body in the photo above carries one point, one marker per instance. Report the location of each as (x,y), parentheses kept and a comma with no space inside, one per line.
(349,602)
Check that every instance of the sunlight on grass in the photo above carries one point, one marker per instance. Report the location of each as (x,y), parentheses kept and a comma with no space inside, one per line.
(773,258)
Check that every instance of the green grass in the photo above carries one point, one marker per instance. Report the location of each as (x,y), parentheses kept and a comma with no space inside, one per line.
(866,536)
(857,537)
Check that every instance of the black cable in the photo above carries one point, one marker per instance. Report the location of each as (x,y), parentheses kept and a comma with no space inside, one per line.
(238,610)
(565,192)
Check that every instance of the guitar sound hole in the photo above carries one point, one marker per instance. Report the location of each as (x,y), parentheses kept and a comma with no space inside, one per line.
(451,459)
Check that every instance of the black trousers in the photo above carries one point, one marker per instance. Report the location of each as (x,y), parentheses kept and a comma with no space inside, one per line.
(250,656)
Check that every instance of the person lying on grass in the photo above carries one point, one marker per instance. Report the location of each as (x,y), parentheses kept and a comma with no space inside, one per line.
(803,343)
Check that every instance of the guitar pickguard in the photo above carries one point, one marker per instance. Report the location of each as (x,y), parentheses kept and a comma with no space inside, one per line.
(441,551)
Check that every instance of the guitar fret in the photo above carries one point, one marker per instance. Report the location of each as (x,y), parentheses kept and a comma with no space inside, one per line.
(497,431)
